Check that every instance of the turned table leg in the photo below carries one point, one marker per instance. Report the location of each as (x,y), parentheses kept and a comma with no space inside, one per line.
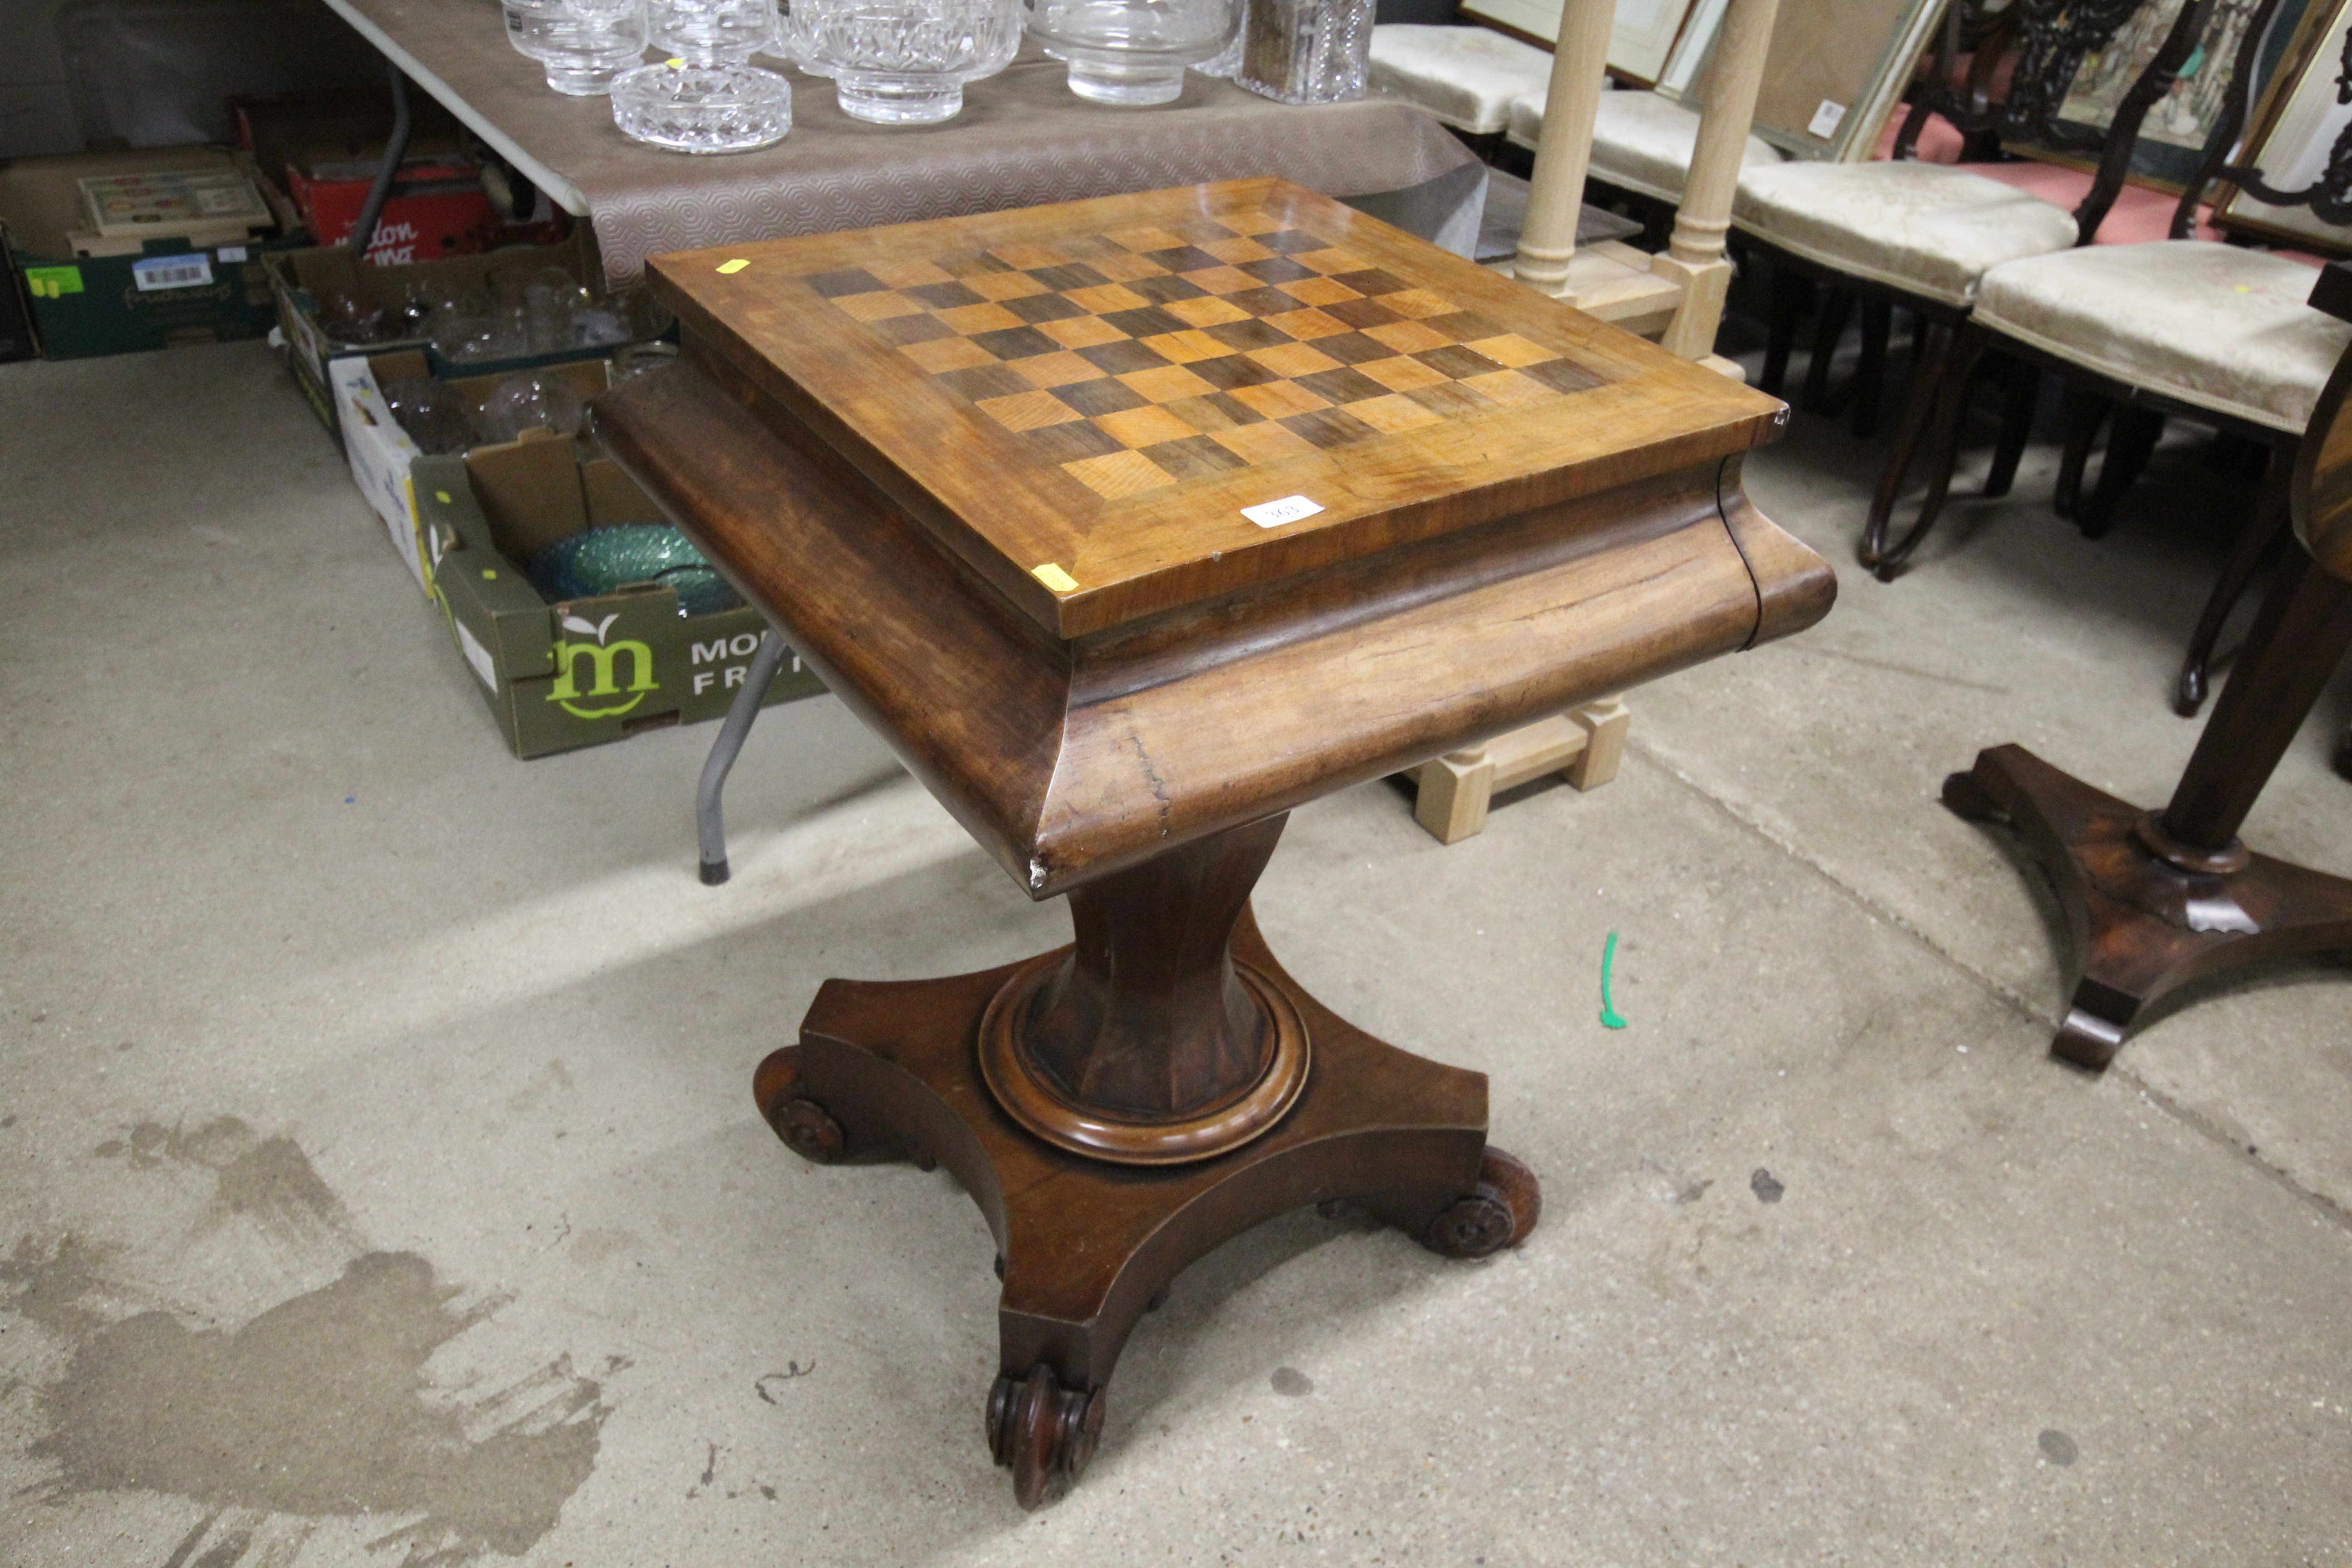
(1120,1107)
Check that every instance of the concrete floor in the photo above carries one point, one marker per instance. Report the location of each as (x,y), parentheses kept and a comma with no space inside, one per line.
(380,1183)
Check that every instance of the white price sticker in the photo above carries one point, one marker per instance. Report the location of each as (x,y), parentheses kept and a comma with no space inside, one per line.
(1826,120)
(232,252)
(171,272)
(1274,513)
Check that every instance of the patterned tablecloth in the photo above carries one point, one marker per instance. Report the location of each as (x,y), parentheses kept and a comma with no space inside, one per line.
(1022,140)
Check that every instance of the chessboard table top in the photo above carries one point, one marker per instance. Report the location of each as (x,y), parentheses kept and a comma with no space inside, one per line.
(1089,400)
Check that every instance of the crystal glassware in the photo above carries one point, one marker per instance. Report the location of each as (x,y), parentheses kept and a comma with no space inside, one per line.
(688,108)
(711,32)
(1307,51)
(1225,62)
(1131,51)
(903,62)
(582,44)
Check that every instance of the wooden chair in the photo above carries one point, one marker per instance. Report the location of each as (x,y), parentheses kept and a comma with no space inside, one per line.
(2216,334)
(1682,291)
(1922,235)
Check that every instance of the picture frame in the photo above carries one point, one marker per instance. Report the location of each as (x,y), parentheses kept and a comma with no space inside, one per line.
(2179,133)
(1638,46)
(1835,72)
(2292,135)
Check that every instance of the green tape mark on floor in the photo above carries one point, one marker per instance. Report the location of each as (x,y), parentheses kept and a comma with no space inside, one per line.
(1609,1019)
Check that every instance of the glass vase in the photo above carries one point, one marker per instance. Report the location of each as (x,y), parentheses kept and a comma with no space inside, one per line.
(711,32)
(903,62)
(1307,51)
(1131,51)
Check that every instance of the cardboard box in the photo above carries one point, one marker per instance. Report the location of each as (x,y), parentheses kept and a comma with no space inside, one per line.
(380,453)
(322,150)
(157,292)
(558,677)
(297,279)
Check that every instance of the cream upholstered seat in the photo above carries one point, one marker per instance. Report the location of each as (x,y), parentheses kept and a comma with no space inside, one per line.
(1928,229)
(1466,77)
(1641,142)
(2216,327)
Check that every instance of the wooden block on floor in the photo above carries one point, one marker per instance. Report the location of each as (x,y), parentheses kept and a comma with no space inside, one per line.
(1584,746)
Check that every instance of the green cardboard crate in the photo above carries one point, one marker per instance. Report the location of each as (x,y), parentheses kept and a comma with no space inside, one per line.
(585,671)
(174,291)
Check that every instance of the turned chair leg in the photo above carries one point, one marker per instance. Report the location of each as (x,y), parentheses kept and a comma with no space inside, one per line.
(1789,294)
(2016,426)
(2129,447)
(1829,331)
(2261,538)
(2083,412)
(1942,390)
(1869,371)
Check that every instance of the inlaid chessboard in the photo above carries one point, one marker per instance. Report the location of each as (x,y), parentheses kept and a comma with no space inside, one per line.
(1147,356)
(1095,403)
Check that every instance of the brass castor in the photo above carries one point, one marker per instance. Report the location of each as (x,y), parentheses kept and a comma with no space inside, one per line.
(1499,1212)
(1040,1430)
(806,1127)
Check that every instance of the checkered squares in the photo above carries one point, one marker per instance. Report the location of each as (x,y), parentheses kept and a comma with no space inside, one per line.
(1149,356)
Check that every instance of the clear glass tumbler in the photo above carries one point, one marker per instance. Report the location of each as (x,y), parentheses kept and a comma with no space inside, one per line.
(1131,51)
(582,44)
(903,62)
(1307,51)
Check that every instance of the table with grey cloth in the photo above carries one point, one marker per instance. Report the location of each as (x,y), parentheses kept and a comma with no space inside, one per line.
(1023,139)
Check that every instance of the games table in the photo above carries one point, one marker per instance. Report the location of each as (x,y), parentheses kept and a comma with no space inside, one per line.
(1132,524)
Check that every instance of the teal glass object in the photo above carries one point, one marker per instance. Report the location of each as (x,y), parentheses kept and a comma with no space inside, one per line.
(598,561)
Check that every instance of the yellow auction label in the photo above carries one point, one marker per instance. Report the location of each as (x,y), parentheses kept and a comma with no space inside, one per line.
(735,266)
(1054,577)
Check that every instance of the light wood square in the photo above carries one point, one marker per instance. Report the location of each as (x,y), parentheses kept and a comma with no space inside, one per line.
(969,319)
(1309,324)
(1209,312)
(1145,238)
(1280,399)
(1267,443)
(1394,413)
(1253,223)
(1294,359)
(1419,302)
(909,274)
(1121,268)
(1028,410)
(1510,349)
(1104,298)
(1029,255)
(1332,260)
(1117,474)
(1003,285)
(1185,347)
(1081,332)
(1402,374)
(1317,291)
(1509,388)
(1144,427)
(1167,382)
(1236,251)
(878,306)
(1407,337)
(1221,279)
(1057,369)
(943,354)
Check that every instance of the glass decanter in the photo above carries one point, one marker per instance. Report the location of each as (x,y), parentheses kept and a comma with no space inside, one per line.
(1307,51)
(903,62)
(1131,51)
